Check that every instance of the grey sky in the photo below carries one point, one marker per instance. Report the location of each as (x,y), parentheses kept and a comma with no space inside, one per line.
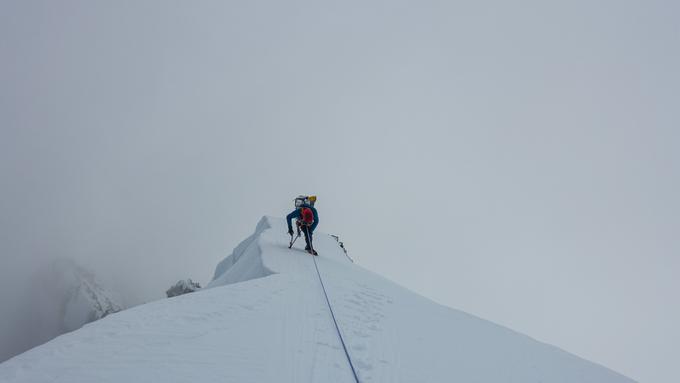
(517,161)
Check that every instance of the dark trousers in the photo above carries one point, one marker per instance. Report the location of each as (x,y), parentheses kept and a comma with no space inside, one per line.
(307,230)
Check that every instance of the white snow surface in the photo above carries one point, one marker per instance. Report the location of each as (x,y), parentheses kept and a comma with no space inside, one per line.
(264,318)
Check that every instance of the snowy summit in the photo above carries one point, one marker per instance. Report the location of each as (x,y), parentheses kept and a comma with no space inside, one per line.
(272,314)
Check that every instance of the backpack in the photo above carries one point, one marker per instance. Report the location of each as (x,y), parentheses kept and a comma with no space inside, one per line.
(301,200)
(305,200)
(307,216)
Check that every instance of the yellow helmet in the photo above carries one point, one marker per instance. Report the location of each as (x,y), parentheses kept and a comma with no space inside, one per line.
(312,198)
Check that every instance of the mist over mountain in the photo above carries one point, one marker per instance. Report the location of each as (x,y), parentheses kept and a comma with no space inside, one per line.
(60,297)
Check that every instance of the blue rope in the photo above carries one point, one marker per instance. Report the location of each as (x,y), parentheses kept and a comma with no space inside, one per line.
(337,328)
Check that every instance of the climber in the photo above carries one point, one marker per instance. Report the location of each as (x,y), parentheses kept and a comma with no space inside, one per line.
(307,219)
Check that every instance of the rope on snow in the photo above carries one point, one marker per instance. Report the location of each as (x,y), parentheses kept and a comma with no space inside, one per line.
(337,328)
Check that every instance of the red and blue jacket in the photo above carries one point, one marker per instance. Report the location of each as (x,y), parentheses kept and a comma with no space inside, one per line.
(297,215)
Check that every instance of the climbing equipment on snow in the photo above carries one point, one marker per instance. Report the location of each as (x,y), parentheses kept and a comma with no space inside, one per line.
(292,240)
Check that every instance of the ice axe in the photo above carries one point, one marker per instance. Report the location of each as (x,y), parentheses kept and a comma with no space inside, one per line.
(292,240)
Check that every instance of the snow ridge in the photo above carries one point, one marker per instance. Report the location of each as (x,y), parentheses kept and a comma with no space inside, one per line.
(265,318)
(230,270)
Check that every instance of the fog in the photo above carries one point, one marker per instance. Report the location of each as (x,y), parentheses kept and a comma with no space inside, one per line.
(516,161)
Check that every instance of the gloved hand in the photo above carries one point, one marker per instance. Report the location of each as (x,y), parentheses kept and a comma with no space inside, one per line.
(290,231)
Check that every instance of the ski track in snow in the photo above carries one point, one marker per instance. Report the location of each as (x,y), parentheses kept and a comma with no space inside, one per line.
(264,318)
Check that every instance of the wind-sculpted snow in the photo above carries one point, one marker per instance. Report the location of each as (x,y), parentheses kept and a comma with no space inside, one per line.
(264,318)
(245,262)
(261,254)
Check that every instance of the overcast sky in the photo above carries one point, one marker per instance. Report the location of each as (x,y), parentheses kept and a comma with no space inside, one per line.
(519,161)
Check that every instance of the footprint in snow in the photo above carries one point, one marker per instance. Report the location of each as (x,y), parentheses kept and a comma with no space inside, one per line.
(363,365)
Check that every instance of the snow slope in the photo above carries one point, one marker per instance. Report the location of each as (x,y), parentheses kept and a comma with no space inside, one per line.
(265,318)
